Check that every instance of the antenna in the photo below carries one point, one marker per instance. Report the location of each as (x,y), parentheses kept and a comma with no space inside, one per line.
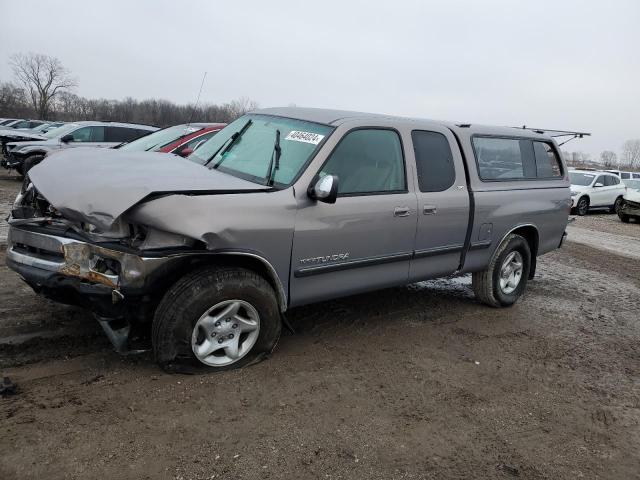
(197,100)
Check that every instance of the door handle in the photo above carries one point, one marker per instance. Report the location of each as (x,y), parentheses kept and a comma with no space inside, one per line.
(401,212)
(429,209)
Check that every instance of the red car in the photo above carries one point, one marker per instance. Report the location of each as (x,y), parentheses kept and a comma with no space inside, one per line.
(178,139)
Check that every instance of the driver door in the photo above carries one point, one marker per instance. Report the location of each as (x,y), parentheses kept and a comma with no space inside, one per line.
(365,240)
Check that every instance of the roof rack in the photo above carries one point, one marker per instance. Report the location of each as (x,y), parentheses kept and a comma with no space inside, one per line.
(557,133)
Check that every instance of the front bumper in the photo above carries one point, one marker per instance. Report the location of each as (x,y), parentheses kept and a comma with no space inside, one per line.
(73,272)
(630,208)
(11,160)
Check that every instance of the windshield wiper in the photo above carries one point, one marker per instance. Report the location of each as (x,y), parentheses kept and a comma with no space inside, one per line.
(231,142)
(275,156)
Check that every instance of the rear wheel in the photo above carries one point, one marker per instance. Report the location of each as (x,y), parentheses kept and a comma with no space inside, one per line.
(583,206)
(505,279)
(216,318)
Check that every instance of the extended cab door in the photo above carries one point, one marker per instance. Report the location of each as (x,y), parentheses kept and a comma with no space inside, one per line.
(443,204)
(365,240)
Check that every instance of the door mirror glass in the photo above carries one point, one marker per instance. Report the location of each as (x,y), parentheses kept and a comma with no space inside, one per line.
(598,184)
(67,138)
(325,189)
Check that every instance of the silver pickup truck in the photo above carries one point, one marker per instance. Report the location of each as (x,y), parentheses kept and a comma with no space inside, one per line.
(282,208)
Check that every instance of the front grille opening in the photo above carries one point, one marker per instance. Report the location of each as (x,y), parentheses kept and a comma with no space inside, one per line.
(37,252)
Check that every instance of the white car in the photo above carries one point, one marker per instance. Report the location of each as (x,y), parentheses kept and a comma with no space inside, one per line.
(625,175)
(595,189)
(630,207)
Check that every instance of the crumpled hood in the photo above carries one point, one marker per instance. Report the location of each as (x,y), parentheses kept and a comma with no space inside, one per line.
(10,133)
(97,185)
(34,143)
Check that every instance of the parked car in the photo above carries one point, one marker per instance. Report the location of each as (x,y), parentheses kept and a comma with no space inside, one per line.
(595,189)
(625,175)
(20,135)
(6,121)
(630,207)
(25,124)
(282,208)
(178,139)
(22,156)
(10,122)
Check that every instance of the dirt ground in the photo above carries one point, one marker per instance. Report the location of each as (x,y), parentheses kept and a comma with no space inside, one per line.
(408,383)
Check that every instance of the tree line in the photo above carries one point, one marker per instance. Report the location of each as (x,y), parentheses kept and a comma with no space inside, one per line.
(43,89)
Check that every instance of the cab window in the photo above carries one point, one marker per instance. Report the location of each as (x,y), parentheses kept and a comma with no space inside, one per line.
(434,161)
(368,161)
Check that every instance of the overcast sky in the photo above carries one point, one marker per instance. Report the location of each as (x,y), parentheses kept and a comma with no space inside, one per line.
(555,64)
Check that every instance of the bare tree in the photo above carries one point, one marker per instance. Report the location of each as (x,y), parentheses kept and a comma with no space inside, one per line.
(631,153)
(43,78)
(239,107)
(608,158)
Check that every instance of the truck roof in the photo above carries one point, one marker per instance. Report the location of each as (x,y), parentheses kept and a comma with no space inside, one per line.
(338,117)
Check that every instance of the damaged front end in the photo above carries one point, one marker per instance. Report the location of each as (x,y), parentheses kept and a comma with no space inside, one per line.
(108,272)
(630,208)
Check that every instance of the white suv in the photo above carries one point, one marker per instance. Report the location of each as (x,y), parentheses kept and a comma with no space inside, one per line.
(595,189)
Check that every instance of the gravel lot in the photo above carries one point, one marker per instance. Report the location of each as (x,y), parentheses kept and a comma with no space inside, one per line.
(407,383)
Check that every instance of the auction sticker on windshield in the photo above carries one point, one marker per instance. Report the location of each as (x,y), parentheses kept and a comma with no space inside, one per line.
(306,137)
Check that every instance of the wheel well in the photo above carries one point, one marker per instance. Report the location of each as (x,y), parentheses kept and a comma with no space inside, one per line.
(530,234)
(585,196)
(187,263)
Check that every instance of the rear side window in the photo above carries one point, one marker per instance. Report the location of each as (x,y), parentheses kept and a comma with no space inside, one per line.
(610,180)
(434,161)
(97,134)
(547,162)
(122,134)
(625,175)
(636,175)
(504,158)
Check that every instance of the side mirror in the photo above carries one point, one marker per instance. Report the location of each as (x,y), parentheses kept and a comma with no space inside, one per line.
(67,138)
(599,185)
(185,152)
(325,189)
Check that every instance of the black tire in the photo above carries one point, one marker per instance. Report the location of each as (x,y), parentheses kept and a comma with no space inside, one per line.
(616,205)
(582,207)
(191,296)
(486,284)
(624,218)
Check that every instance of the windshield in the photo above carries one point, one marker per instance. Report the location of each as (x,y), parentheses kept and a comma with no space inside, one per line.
(635,184)
(582,179)
(39,128)
(60,131)
(159,139)
(250,155)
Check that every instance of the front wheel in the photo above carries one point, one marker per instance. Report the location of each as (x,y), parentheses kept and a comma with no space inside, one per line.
(216,318)
(505,279)
(583,206)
